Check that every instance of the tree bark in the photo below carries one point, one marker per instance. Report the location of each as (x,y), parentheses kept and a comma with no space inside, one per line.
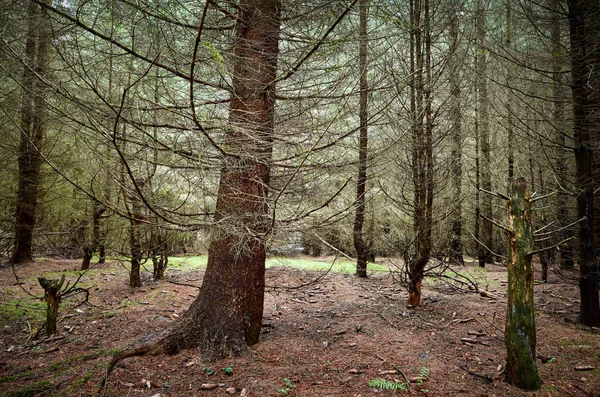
(486,237)
(582,66)
(519,334)
(33,128)
(422,155)
(456,246)
(226,316)
(135,237)
(362,250)
(558,116)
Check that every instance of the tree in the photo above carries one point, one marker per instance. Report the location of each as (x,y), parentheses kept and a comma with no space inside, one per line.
(584,24)
(33,127)
(485,230)
(362,250)
(422,155)
(226,316)
(456,246)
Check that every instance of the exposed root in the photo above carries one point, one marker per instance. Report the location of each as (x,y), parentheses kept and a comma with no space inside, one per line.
(150,349)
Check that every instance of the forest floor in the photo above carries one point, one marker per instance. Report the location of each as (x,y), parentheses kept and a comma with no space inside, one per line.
(329,338)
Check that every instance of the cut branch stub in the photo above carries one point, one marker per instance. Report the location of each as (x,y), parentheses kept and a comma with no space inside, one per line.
(519,334)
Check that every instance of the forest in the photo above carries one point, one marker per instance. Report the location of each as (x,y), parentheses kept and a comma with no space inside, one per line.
(300,198)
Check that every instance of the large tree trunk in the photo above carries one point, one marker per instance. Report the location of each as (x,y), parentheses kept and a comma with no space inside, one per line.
(563,216)
(519,334)
(33,126)
(226,316)
(583,64)
(456,246)
(362,249)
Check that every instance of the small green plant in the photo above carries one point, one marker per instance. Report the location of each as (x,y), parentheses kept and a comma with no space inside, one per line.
(208,371)
(228,370)
(424,373)
(383,384)
(552,360)
(288,387)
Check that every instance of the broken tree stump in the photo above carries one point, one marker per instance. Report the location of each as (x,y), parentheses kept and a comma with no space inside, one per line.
(519,334)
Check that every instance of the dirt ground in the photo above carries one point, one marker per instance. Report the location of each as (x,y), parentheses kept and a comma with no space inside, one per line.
(329,338)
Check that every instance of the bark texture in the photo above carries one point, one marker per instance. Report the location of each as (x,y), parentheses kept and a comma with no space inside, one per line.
(422,151)
(519,334)
(583,24)
(456,246)
(362,250)
(33,127)
(485,233)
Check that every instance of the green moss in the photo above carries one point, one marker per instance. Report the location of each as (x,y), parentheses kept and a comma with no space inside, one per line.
(29,308)
(31,390)
(80,382)
(12,378)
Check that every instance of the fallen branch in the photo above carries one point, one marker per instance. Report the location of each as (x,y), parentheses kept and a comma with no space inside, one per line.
(485,377)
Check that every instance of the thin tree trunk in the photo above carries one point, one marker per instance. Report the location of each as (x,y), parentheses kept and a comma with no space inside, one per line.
(509,108)
(52,290)
(423,183)
(135,237)
(519,334)
(226,316)
(581,67)
(456,246)
(486,237)
(33,127)
(359,241)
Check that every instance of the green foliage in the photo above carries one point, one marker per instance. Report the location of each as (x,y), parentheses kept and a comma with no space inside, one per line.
(228,370)
(80,382)
(288,387)
(383,384)
(208,371)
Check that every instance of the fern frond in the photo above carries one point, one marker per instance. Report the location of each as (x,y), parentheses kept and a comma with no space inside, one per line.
(424,373)
(383,384)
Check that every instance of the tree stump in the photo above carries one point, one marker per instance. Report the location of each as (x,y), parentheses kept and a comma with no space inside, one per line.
(519,334)
(52,296)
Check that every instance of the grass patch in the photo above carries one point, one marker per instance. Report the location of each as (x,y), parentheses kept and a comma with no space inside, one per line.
(187,262)
(340,266)
(80,382)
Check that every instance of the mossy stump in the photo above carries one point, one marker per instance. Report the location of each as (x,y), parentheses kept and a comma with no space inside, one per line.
(519,334)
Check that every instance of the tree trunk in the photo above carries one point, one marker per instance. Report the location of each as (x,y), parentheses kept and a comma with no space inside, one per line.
(582,65)
(519,334)
(359,241)
(558,116)
(135,238)
(456,246)
(422,154)
(33,126)
(226,316)
(486,231)
(509,109)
